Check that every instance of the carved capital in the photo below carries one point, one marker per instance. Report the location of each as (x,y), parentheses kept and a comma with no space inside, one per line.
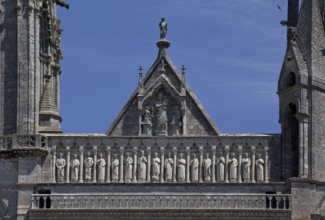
(214,149)
(54,149)
(162,150)
(148,149)
(81,150)
(109,150)
(135,150)
(121,150)
(227,149)
(68,149)
(188,150)
(175,150)
(253,150)
(266,150)
(240,149)
(95,149)
(201,150)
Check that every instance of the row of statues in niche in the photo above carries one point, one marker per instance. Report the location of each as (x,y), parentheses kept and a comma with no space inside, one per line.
(168,171)
(160,109)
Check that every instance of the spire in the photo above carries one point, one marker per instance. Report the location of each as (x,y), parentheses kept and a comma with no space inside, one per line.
(140,83)
(163,44)
(49,114)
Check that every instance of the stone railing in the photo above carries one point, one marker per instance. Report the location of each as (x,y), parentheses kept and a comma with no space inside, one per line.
(233,159)
(12,142)
(145,201)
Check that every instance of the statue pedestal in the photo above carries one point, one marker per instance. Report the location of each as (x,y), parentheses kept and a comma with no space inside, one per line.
(162,133)
(176,129)
(146,129)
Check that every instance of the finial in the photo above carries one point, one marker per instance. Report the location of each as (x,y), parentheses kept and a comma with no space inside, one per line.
(140,76)
(183,73)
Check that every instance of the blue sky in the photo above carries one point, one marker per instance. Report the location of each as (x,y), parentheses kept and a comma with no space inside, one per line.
(233,51)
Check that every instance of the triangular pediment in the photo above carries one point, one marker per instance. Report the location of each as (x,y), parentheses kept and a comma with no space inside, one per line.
(163,105)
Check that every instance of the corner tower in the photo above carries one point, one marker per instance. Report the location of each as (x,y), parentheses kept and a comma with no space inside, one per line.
(301,91)
(30,49)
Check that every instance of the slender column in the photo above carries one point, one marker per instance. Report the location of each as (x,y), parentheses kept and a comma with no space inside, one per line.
(188,162)
(201,164)
(214,151)
(81,170)
(121,164)
(267,179)
(53,163)
(226,164)
(303,146)
(95,165)
(108,168)
(240,158)
(149,164)
(253,164)
(68,165)
(306,159)
(135,162)
(174,164)
(162,162)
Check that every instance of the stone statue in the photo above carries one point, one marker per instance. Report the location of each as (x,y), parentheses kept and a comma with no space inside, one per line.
(163,28)
(176,121)
(147,121)
(161,106)
(259,169)
(128,168)
(142,167)
(88,167)
(75,164)
(221,168)
(155,167)
(233,164)
(246,168)
(207,169)
(169,168)
(101,163)
(181,168)
(195,169)
(60,164)
(115,169)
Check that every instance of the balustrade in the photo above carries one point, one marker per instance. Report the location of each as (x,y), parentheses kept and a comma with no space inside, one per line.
(162,201)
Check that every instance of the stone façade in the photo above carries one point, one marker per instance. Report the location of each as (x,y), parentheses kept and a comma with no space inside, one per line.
(124,173)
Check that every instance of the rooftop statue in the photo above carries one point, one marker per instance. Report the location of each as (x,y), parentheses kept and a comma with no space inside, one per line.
(163,28)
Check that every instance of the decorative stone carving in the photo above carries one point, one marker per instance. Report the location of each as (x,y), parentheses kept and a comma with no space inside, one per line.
(163,28)
(259,169)
(176,122)
(181,168)
(155,167)
(207,169)
(88,167)
(246,168)
(115,169)
(75,164)
(101,163)
(169,168)
(142,167)
(221,168)
(60,164)
(147,121)
(128,168)
(161,107)
(195,169)
(233,164)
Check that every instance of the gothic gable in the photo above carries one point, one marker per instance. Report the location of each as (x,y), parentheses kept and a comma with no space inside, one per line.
(163,105)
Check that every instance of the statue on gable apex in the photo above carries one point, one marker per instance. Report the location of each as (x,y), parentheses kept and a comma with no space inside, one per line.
(163,28)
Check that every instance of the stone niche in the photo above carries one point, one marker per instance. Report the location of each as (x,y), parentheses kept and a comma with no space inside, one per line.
(161,115)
